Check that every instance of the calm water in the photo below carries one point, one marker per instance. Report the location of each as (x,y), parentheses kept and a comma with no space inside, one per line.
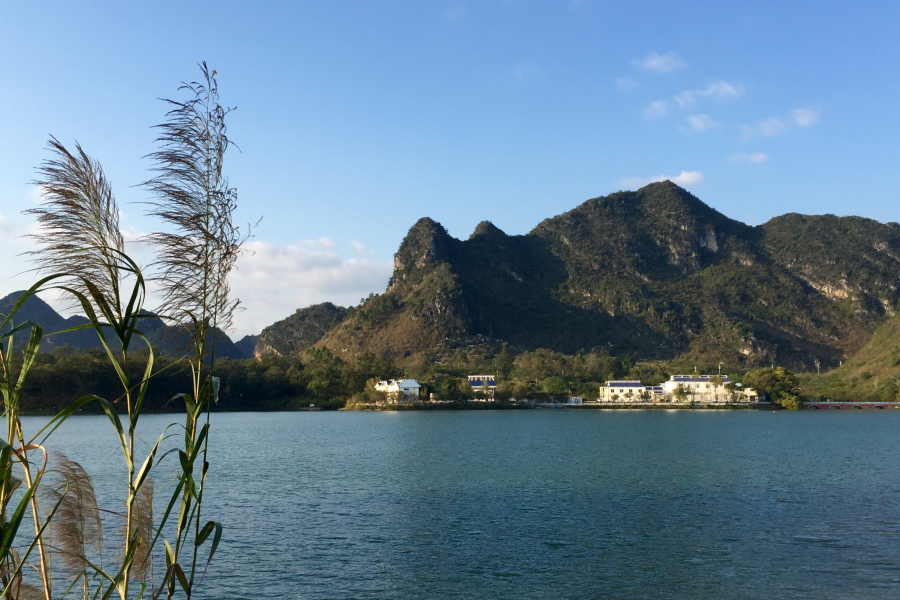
(543,504)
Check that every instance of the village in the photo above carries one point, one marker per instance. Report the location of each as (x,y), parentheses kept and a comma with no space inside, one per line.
(679,391)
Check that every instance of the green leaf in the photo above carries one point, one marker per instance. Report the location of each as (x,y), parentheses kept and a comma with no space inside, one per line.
(170,554)
(14,576)
(110,411)
(204,533)
(145,382)
(148,462)
(200,437)
(28,359)
(119,582)
(182,579)
(24,297)
(16,329)
(61,416)
(215,544)
(9,529)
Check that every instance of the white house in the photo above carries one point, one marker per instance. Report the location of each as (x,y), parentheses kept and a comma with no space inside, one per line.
(708,388)
(400,391)
(631,390)
(483,383)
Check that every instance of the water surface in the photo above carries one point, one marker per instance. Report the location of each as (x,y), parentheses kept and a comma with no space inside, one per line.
(540,504)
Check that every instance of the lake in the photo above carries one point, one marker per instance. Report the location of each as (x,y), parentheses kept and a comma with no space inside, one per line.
(540,503)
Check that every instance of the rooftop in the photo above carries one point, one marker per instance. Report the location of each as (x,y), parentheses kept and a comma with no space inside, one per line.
(702,378)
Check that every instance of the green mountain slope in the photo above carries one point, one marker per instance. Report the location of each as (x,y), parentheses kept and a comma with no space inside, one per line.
(873,373)
(656,273)
(299,331)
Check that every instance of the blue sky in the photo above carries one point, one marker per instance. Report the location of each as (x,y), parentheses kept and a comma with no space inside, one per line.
(355,119)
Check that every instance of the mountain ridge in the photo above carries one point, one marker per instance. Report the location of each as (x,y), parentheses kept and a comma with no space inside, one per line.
(655,272)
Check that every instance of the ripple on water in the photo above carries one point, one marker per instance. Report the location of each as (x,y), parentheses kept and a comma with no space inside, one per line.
(540,504)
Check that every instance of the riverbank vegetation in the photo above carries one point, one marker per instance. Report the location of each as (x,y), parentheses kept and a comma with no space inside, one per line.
(317,377)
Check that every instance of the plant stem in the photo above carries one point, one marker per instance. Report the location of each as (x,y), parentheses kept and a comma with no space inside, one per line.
(45,579)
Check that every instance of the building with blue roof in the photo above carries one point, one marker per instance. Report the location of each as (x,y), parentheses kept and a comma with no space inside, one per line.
(486,384)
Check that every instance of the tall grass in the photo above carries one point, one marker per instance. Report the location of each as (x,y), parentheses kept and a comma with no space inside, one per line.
(192,195)
(82,255)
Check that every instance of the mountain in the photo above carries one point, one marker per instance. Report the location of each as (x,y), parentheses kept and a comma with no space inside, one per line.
(36,310)
(872,374)
(655,273)
(167,339)
(246,345)
(298,331)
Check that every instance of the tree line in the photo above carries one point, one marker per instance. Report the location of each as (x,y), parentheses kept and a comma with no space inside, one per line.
(318,377)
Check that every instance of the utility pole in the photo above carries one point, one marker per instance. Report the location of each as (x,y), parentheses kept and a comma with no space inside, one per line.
(720,369)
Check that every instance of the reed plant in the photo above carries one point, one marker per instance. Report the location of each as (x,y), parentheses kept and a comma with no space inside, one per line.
(192,195)
(83,255)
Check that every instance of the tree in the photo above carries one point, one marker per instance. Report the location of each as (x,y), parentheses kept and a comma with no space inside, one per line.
(555,386)
(503,363)
(716,381)
(627,364)
(680,393)
(779,384)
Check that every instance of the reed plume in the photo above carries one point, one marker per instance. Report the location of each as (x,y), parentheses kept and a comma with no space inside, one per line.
(142,522)
(79,222)
(76,533)
(79,231)
(192,195)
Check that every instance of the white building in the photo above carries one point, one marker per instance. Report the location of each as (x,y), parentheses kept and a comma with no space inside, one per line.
(486,384)
(400,391)
(707,388)
(631,390)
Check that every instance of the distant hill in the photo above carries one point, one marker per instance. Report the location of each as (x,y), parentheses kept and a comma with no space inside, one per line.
(655,273)
(300,330)
(873,373)
(36,310)
(169,340)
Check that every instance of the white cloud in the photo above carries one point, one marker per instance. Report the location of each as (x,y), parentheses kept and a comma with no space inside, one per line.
(719,90)
(626,83)
(274,281)
(805,117)
(657,109)
(701,123)
(756,158)
(660,63)
(766,128)
(684,179)
(361,250)
(801,117)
